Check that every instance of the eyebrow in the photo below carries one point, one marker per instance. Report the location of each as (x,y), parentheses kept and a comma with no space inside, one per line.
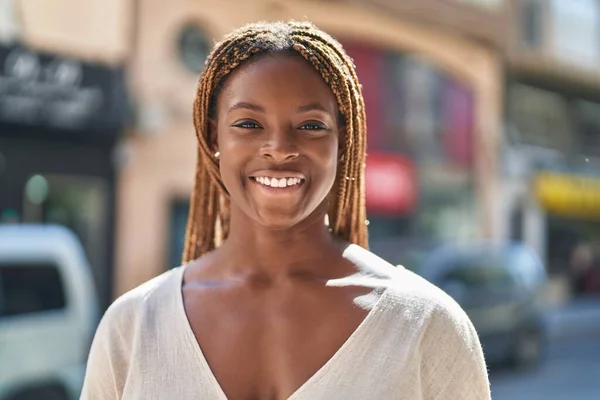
(243,105)
(311,107)
(247,106)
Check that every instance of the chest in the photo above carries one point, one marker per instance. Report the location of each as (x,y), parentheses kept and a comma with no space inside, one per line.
(268,347)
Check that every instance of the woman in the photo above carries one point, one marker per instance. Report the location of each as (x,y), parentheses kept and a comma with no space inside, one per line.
(278,297)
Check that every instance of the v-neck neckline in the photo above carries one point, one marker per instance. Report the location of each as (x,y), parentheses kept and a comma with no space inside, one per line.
(345,347)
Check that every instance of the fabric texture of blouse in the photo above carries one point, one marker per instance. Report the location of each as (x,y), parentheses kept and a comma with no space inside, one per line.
(415,343)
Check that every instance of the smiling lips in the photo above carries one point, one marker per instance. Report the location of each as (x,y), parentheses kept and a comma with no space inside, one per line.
(277,182)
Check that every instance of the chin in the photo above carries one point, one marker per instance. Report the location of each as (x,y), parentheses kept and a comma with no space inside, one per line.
(281,219)
(286,215)
(278,223)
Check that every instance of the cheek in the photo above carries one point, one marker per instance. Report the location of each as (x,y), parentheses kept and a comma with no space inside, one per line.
(333,154)
(231,169)
(224,171)
(328,157)
(233,155)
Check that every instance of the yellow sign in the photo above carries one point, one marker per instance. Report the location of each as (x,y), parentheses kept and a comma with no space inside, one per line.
(577,196)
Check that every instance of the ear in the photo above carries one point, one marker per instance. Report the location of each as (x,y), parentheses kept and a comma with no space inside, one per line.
(212,135)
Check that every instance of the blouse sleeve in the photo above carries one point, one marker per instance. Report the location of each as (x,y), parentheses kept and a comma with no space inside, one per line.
(107,363)
(452,364)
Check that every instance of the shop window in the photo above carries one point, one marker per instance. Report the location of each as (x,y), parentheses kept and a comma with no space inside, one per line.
(556,121)
(573,252)
(420,86)
(457,122)
(516,222)
(79,203)
(422,114)
(30,288)
(178,223)
(588,124)
(541,118)
(370,63)
(414,108)
(193,46)
(532,24)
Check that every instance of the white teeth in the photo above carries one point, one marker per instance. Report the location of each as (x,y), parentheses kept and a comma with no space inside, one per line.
(277,183)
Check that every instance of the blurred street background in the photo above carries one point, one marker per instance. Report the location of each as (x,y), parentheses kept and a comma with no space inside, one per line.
(483,172)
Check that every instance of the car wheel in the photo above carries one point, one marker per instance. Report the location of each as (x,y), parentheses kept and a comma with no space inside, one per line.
(528,349)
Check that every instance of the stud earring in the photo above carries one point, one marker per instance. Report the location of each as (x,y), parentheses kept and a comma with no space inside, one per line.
(217,154)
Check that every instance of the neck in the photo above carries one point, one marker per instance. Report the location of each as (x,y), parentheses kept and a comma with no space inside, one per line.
(255,249)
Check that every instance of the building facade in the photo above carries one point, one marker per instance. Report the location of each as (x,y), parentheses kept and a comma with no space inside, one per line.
(484,111)
(551,154)
(63,107)
(433,94)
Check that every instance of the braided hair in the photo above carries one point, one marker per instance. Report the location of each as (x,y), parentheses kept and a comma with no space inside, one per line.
(208,221)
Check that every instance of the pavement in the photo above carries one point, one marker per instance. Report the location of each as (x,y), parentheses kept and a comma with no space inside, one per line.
(578,319)
(571,368)
(570,371)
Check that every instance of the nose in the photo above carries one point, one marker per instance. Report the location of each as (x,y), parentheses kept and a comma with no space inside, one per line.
(281,146)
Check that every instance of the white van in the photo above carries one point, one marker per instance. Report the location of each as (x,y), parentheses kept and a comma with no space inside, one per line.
(48,313)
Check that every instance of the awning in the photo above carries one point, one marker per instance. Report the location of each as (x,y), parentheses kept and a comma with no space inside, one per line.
(568,194)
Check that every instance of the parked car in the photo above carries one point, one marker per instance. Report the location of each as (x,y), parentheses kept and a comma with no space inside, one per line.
(48,313)
(499,287)
(408,252)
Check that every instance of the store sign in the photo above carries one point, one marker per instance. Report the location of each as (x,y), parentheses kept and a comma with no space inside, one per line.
(43,90)
(391,185)
(567,194)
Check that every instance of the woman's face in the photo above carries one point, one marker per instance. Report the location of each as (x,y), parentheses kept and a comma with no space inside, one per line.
(277,132)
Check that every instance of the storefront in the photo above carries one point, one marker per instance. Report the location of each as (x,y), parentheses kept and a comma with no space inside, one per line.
(572,202)
(556,128)
(60,119)
(433,104)
(421,176)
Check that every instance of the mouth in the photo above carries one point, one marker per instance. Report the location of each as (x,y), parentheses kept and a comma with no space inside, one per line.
(278,184)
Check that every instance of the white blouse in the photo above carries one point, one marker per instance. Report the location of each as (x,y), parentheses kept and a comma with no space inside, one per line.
(415,343)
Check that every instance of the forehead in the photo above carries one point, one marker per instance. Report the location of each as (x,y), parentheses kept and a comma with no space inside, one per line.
(277,80)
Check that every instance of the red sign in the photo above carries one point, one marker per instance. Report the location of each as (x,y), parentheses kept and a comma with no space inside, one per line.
(391,184)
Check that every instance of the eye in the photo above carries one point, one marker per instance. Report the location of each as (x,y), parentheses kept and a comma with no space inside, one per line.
(313,126)
(247,125)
